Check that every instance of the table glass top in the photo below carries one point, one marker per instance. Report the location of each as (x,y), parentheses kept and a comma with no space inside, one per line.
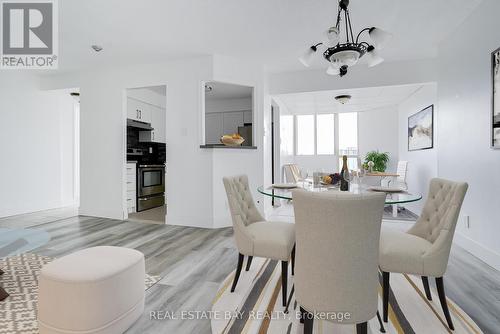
(392,198)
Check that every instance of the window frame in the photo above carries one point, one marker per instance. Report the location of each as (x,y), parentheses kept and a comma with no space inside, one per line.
(336,135)
(296,135)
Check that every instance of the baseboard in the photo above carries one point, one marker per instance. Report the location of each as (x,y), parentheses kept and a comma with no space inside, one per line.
(485,254)
(52,206)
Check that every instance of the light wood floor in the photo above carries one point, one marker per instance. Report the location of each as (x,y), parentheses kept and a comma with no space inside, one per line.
(193,262)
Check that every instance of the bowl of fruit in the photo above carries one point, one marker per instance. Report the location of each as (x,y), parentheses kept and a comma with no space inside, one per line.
(232,140)
(331,179)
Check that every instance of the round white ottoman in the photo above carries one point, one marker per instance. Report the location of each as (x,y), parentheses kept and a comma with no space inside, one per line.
(95,290)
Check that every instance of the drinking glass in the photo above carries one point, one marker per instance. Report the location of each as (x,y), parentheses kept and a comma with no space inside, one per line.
(303,176)
(361,174)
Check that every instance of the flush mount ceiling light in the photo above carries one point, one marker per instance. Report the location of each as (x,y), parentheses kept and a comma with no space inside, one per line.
(97,48)
(343,55)
(343,99)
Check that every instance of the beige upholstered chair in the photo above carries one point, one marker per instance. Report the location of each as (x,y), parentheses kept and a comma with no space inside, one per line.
(254,236)
(337,239)
(424,250)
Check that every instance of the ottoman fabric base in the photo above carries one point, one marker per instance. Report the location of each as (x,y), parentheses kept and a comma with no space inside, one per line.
(95,290)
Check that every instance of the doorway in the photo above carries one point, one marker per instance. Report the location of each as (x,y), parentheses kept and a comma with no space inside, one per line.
(145,180)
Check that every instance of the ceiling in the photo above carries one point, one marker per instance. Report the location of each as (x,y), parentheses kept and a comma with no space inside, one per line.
(273,33)
(227,91)
(362,99)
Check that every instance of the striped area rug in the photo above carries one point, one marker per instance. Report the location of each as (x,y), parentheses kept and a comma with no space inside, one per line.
(255,307)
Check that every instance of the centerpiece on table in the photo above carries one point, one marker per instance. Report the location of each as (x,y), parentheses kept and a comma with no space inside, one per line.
(376,161)
(331,179)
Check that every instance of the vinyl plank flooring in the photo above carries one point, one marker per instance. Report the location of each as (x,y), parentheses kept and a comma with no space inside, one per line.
(193,262)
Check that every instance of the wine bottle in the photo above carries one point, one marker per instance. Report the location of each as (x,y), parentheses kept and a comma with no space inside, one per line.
(344,175)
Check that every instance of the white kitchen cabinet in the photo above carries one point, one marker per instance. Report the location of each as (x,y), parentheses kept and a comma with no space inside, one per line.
(131,186)
(138,110)
(213,128)
(247,116)
(231,121)
(158,119)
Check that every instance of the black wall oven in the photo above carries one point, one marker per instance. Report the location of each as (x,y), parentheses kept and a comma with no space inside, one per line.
(150,186)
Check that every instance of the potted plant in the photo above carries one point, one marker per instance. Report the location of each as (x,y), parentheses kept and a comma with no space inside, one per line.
(379,160)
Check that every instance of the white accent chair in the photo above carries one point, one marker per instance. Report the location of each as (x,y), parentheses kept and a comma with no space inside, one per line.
(425,248)
(98,290)
(400,181)
(337,241)
(397,182)
(254,235)
(292,173)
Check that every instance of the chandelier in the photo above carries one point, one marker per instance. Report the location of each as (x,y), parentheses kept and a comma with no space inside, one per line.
(343,55)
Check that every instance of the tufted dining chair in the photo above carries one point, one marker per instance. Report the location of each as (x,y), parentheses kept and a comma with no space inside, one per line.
(254,235)
(425,248)
(338,238)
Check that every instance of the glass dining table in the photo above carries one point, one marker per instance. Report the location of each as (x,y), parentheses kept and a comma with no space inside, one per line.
(392,198)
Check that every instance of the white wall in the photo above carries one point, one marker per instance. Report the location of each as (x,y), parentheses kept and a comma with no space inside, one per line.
(103,137)
(227,162)
(422,165)
(148,95)
(378,130)
(225,105)
(193,188)
(464,121)
(37,146)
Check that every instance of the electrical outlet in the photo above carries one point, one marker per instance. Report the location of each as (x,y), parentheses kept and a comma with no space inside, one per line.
(467,221)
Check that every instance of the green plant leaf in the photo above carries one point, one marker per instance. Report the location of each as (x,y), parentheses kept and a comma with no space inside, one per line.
(380,160)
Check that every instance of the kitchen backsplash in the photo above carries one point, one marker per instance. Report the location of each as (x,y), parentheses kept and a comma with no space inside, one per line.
(152,152)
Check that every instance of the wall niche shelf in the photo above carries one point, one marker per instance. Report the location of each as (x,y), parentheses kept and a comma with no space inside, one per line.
(230,147)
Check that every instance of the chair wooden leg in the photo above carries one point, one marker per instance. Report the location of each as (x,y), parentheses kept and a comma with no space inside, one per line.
(284,280)
(385,295)
(308,323)
(382,328)
(425,282)
(293,260)
(444,304)
(249,263)
(362,328)
(238,271)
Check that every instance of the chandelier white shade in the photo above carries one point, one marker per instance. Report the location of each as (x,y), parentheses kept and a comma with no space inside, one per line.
(342,55)
(379,37)
(373,57)
(307,57)
(332,70)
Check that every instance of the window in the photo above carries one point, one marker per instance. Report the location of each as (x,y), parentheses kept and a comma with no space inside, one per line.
(348,139)
(325,134)
(305,134)
(286,133)
(316,134)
